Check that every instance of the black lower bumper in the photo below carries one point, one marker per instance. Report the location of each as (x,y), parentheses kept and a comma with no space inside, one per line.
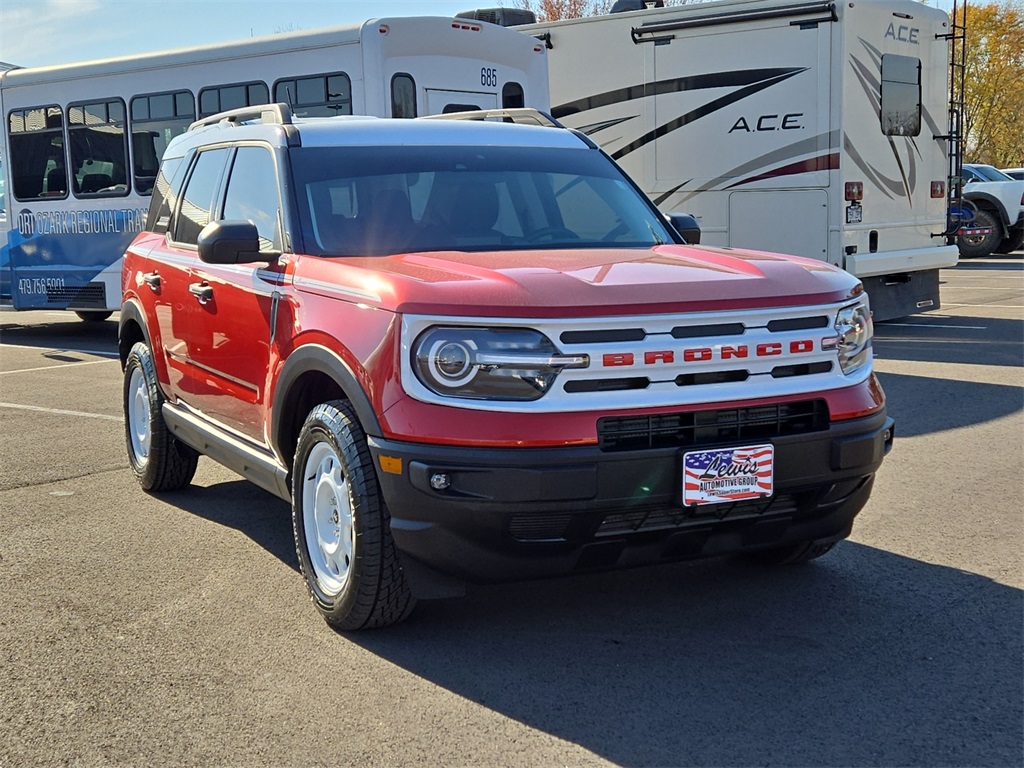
(507,514)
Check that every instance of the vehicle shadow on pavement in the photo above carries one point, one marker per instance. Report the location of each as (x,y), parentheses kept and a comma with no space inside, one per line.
(952,403)
(863,658)
(1000,261)
(991,341)
(71,334)
(248,509)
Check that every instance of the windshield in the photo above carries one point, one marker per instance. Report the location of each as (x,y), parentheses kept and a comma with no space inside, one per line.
(372,201)
(988,173)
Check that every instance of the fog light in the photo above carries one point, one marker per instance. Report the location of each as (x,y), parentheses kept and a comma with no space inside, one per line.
(440,481)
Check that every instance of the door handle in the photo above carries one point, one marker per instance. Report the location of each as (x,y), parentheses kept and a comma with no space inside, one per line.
(152,279)
(201,291)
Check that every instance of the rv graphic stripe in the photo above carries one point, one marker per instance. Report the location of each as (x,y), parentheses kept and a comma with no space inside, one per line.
(673,85)
(704,111)
(829,162)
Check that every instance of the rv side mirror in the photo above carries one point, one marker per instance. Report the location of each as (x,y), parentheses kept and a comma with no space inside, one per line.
(230,242)
(686,225)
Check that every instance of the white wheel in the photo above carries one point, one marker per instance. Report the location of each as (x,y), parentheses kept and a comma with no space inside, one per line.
(138,416)
(327,518)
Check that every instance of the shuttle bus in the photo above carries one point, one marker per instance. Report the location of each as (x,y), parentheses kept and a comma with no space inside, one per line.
(82,142)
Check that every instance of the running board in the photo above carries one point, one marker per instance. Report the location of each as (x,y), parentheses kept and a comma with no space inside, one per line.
(237,455)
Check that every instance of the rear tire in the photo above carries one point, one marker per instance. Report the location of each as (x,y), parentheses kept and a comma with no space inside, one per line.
(977,246)
(1012,242)
(159,461)
(92,316)
(792,554)
(342,527)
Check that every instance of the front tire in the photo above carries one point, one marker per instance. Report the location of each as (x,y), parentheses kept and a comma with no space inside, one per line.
(342,527)
(159,461)
(977,246)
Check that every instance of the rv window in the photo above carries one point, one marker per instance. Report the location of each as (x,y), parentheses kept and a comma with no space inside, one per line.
(512,96)
(37,153)
(99,148)
(221,98)
(155,120)
(403,96)
(197,198)
(901,95)
(317,95)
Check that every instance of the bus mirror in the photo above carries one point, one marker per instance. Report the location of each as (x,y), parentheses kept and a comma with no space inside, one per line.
(686,225)
(230,242)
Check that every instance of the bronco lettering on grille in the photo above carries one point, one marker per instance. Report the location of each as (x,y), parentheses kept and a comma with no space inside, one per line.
(707,354)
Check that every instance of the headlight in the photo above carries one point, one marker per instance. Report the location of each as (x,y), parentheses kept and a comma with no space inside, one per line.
(853,337)
(489,363)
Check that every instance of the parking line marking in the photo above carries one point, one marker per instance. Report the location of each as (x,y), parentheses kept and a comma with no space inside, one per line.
(51,367)
(59,411)
(935,325)
(984,306)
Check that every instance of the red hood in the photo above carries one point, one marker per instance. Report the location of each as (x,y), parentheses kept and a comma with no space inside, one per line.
(552,283)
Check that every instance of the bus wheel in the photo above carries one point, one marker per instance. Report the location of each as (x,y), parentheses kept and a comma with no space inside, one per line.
(93,316)
(159,461)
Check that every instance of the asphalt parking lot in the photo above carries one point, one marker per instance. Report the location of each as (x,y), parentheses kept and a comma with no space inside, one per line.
(175,630)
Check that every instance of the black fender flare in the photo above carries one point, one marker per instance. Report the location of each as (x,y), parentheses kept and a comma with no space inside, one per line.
(131,311)
(993,202)
(314,357)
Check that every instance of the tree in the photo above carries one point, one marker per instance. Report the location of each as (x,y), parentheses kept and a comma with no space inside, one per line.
(553,10)
(993,120)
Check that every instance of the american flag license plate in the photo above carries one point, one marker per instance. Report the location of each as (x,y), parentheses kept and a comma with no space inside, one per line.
(728,474)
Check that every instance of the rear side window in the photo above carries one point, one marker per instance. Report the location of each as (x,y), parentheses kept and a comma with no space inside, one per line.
(196,207)
(512,96)
(901,95)
(252,195)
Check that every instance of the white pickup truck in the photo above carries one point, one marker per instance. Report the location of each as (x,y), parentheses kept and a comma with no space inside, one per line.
(998,202)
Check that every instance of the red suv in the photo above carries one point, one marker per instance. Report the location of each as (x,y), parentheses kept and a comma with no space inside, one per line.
(475,351)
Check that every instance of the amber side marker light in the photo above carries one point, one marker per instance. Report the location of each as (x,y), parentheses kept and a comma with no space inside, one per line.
(391,464)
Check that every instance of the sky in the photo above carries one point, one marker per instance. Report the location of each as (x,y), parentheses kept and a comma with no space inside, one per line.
(42,32)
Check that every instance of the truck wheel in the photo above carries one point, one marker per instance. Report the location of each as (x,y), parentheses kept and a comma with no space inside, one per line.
(1012,242)
(342,526)
(973,246)
(93,315)
(793,554)
(160,461)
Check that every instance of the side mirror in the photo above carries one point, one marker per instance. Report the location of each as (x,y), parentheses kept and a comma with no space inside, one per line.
(230,242)
(686,225)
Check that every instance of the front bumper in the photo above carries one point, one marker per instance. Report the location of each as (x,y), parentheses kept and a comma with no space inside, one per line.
(513,514)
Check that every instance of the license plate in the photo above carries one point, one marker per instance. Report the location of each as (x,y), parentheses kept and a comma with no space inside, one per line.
(728,474)
(854,214)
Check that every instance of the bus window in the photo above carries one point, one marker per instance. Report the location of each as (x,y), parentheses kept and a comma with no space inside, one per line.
(156,119)
(99,148)
(221,98)
(403,96)
(37,153)
(512,96)
(317,95)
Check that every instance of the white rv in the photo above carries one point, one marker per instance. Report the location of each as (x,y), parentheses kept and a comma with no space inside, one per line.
(809,128)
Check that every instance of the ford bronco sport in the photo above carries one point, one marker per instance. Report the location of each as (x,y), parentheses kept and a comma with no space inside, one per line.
(475,351)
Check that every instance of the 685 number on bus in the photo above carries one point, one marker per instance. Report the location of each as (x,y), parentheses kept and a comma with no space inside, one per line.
(488,77)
